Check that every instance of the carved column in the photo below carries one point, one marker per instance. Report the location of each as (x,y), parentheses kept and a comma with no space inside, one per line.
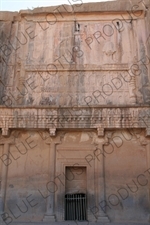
(148,166)
(50,205)
(6,142)
(101,216)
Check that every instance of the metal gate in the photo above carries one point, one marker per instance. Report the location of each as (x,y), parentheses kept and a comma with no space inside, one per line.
(75,207)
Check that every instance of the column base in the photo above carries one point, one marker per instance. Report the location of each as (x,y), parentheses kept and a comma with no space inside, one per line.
(49,218)
(103,219)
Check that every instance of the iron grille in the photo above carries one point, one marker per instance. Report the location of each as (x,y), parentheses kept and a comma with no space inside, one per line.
(75,207)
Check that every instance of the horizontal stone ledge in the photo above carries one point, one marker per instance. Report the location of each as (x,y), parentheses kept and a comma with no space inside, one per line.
(53,130)
(84,17)
(77,223)
(77,147)
(76,68)
(101,107)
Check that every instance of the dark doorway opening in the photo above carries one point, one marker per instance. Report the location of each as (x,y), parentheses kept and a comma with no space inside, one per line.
(75,207)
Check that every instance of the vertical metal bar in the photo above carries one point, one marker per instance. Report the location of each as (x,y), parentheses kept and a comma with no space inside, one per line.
(81,207)
(71,208)
(68,207)
(75,207)
(74,202)
(84,207)
(65,207)
(74,218)
(74,210)
(70,196)
(78,207)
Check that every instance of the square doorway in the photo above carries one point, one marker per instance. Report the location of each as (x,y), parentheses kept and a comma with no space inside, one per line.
(75,194)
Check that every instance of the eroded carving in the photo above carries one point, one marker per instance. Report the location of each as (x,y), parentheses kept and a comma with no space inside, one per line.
(52,131)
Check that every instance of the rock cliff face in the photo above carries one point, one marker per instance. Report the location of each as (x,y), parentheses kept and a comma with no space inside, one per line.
(75,92)
(75,55)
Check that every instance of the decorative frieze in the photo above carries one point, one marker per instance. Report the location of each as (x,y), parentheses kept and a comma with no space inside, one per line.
(77,117)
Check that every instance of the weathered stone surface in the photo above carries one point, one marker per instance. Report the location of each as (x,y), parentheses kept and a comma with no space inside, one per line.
(75,112)
(8,16)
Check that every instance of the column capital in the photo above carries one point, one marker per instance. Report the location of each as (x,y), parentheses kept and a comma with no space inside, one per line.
(54,140)
(148,132)
(100,131)
(6,140)
(52,132)
(5,131)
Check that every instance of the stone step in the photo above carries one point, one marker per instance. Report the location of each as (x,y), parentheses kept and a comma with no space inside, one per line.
(74,223)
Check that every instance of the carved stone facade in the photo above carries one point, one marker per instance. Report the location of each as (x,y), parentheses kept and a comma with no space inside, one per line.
(74,112)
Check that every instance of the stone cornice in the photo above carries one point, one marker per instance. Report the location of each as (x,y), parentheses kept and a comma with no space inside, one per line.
(74,118)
